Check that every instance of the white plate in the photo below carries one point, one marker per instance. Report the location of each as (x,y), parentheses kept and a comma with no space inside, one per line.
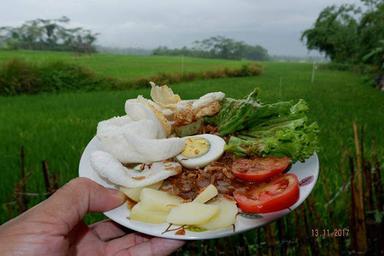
(306,172)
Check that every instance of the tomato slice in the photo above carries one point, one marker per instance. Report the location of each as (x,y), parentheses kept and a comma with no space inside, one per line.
(259,169)
(278,194)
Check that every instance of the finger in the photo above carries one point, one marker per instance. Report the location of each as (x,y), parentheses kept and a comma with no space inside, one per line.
(82,240)
(70,203)
(153,247)
(127,241)
(107,230)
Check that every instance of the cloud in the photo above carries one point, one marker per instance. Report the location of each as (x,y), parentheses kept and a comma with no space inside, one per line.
(276,25)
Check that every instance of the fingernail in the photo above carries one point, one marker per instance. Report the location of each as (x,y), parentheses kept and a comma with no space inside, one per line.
(118,194)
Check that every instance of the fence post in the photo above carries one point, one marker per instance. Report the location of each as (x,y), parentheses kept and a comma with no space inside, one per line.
(313,72)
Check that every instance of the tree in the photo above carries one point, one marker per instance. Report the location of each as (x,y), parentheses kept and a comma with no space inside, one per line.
(377,56)
(352,35)
(335,33)
(347,33)
(46,34)
(218,47)
(371,28)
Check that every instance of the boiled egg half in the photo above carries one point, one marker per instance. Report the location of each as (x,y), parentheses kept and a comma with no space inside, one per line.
(200,150)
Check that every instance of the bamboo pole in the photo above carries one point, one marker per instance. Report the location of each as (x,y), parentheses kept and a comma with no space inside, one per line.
(21,199)
(270,239)
(366,168)
(244,244)
(378,192)
(377,183)
(352,207)
(48,187)
(258,239)
(307,220)
(361,233)
(315,218)
(300,232)
(281,235)
(368,192)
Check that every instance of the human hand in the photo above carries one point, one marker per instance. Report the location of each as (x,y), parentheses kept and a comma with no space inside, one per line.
(55,227)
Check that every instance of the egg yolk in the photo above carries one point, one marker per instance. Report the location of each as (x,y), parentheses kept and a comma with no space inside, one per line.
(195,147)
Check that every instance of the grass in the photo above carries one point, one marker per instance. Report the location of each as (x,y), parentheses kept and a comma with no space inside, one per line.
(123,66)
(57,127)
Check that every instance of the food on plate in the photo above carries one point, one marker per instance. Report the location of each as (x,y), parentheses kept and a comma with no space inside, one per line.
(200,150)
(207,194)
(136,141)
(190,182)
(189,111)
(164,96)
(277,129)
(192,213)
(189,129)
(140,212)
(154,206)
(225,217)
(141,108)
(199,162)
(278,194)
(134,193)
(139,175)
(259,169)
(159,200)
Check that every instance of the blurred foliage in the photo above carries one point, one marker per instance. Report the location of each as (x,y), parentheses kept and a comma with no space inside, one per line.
(351,34)
(218,47)
(48,34)
(21,77)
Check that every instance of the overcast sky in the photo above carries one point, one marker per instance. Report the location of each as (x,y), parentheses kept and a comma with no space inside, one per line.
(274,24)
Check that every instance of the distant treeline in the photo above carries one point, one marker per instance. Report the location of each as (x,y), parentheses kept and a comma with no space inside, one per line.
(351,34)
(46,34)
(124,51)
(218,47)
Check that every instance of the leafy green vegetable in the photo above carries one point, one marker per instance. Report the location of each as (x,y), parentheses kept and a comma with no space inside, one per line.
(278,129)
(298,143)
(235,114)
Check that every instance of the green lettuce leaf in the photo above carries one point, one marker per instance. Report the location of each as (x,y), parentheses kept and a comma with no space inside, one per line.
(278,129)
(234,114)
(296,142)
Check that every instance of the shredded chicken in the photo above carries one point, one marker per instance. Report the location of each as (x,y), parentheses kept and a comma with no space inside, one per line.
(184,115)
(211,109)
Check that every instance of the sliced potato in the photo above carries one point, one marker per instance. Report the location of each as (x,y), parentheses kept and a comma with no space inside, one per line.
(159,200)
(226,216)
(207,194)
(134,193)
(192,213)
(140,213)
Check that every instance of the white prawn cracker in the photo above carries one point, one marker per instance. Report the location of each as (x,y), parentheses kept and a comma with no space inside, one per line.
(136,141)
(141,175)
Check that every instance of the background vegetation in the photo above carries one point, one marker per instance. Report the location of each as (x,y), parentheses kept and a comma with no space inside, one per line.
(218,47)
(351,34)
(47,34)
(25,77)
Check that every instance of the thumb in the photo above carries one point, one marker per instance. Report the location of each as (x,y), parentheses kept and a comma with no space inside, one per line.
(70,203)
